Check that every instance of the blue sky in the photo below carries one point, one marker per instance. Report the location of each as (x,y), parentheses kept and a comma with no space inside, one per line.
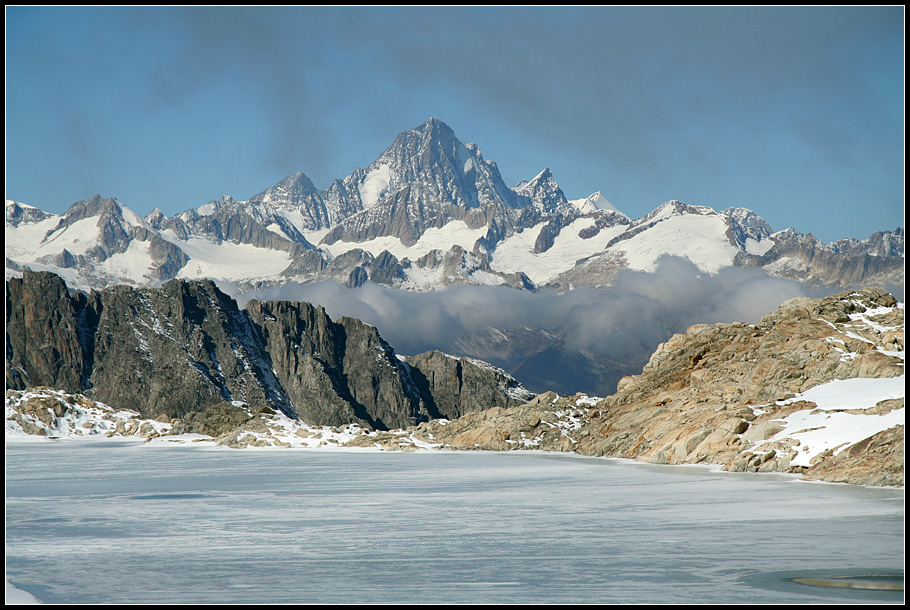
(795,113)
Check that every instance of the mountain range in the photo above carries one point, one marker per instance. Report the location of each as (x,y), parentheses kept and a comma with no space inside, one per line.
(428,213)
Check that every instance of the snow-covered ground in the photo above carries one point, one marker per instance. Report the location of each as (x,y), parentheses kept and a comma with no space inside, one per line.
(697,233)
(75,420)
(829,425)
(516,253)
(453,233)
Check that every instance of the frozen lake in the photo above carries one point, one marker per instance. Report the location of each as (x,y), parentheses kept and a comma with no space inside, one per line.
(117,522)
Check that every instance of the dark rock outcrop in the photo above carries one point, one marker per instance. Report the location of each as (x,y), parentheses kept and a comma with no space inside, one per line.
(459,386)
(187,346)
(43,344)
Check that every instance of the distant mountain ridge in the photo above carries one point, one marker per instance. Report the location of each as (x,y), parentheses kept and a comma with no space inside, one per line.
(429,212)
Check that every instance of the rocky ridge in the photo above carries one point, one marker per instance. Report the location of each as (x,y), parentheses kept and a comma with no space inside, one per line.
(734,395)
(185,346)
(45,413)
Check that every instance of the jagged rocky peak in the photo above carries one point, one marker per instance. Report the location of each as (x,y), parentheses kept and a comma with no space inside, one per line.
(543,192)
(425,179)
(96,206)
(297,194)
(19,213)
(288,191)
(749,220)
(431,158)
(880,243)
(156,218)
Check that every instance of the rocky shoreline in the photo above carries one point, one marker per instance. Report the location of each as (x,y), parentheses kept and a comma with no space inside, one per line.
(747,398)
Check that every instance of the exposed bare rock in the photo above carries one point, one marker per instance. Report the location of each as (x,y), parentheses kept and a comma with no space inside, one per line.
(186,346)
(725,394)
(43,338)
(877,460)
(463,385)
(843,263)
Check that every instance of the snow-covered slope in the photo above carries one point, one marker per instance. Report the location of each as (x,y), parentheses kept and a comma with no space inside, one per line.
(97,242)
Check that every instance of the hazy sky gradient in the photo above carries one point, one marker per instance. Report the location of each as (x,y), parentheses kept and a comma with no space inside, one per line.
(795,113)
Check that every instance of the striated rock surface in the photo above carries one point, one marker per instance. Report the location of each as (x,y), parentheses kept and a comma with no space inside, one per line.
(44,345)
(878,260)
(877,460)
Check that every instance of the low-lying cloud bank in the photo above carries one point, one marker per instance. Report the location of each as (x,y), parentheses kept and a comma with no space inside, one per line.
(623,323)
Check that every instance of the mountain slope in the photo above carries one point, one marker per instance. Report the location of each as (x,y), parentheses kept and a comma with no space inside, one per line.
(816,388)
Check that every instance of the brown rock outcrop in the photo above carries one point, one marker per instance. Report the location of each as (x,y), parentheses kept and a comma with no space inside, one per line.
(712,394)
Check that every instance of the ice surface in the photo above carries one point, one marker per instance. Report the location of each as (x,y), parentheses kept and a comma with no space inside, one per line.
(109,522)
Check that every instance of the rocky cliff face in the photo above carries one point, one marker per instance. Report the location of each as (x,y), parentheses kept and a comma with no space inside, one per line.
(816,388)
(464,385)
(186,346)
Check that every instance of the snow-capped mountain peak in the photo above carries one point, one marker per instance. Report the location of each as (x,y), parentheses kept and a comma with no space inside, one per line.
(749,220)
(543,191)
(593,202)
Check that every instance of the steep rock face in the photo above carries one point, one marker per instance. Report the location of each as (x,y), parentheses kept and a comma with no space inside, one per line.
(43,339)
(178,347)
(186,346)
(463,385)
(336,372)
